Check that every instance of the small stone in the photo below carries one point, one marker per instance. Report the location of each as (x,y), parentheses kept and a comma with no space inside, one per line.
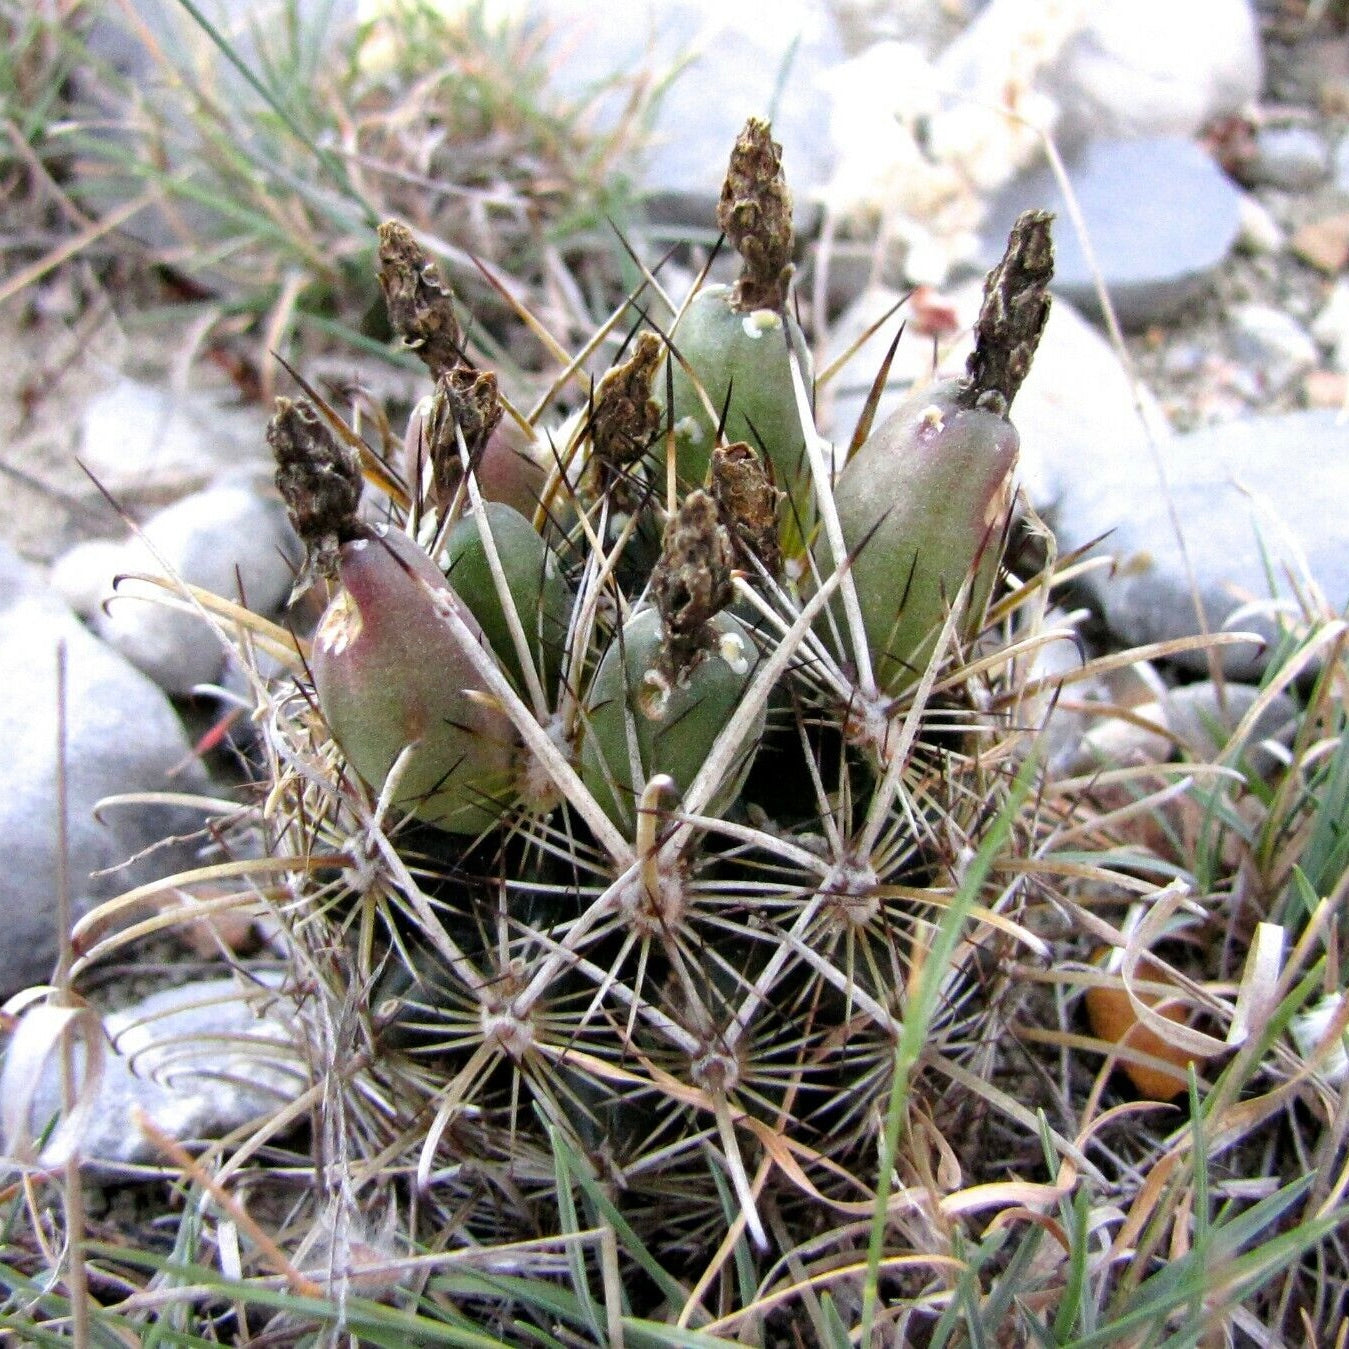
(1184,360)
(1056,708)
(1325,59)
(122,737)
(228,540)
(1324,243)
(1156,249)
(1292,158)
(1331,326)
(1326,389)
(1203,718)
(706,45)
(82,576)
(200,1060)
(1341,166)
(1116,743)
(1260,232)
(1277,345)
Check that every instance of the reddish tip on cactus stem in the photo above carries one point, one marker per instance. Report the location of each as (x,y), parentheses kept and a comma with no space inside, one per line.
(390,674)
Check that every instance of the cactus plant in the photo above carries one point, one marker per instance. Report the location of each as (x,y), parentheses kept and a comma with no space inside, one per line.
(654,856)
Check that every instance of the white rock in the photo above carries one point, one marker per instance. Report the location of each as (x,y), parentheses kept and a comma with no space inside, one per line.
(200,1060)
(1114,742)
(1331,326)
(142,442)
(728,59)
(1154,250)
(1260,232)
(1258,499)
(83,576)
(1292,158)
(1155,67)
(1308,1029)
(921,143)
(223,540)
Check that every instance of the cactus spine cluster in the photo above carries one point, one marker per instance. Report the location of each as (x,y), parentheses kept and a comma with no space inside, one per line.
(638,833)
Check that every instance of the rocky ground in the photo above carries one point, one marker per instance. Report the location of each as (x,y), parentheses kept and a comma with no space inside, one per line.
(1240,343)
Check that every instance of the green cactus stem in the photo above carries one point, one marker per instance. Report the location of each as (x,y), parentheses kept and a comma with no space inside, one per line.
(926,499)
(538,590)
(389,674)
(737,343)
(668,685)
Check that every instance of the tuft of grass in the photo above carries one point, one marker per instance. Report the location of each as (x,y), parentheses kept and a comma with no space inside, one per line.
(259,157)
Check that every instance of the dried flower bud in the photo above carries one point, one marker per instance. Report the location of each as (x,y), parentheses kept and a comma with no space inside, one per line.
(1013,315)
(755,211)
(748,502)
(420,305)
(692,581)
(626,420)
(319,479)
(468,399)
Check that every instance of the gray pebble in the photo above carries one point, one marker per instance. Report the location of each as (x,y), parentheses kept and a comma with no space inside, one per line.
(1203,718)
(1341,166)
(1120,77)
(1331,326)
(1255,497)
(228,540)
(1156,247)
(143,443)
(1260,234)
(1183,360)
(122,736)
(1292,158)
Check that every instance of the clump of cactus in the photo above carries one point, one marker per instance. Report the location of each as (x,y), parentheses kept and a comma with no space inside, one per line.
(645,752)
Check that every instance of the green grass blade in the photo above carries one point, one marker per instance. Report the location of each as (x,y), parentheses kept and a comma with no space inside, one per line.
(918,1018)
(335,168)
